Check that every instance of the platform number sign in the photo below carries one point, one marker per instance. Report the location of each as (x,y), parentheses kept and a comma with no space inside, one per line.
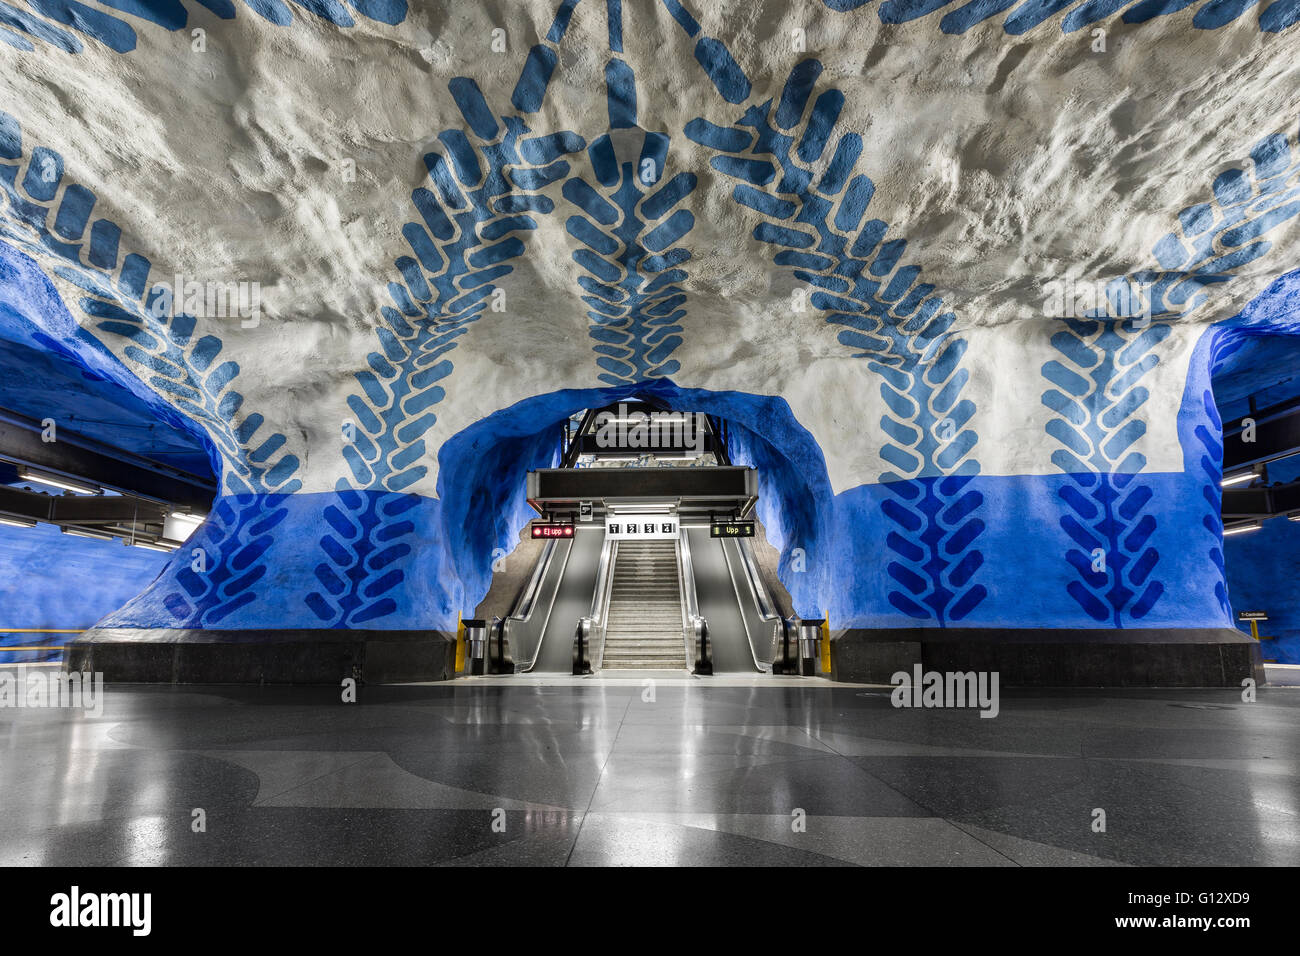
(731,529)
(639,527)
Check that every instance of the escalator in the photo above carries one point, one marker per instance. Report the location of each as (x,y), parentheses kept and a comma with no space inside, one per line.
(744,626)
(719,605)
(640,600)
(572,601)
(540,628)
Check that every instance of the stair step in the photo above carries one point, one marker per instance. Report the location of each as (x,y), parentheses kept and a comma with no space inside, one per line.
(645,665)
(643,625)
(653,641)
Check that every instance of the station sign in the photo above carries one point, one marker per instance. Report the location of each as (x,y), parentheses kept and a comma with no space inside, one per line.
(552,530)
(731,529)
(640,527)
(1252,615)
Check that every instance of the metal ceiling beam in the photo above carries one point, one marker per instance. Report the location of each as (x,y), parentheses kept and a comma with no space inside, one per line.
(1264,502)
(1276,435)
(80,509)
(76,457)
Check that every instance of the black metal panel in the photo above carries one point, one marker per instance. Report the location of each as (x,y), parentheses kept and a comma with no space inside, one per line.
(586,484)
(323,656)
(1265,502)
(20,441)
(79,509)
(1053,657)
(1276,433)
(590,446)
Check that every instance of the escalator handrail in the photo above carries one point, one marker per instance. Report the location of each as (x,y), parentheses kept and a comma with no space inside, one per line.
(527,600)
(541,574)
(582,663)
(604,580)
(686,571)
(690,599)
(763,661)
(600,600)
(701,653)
(756,586)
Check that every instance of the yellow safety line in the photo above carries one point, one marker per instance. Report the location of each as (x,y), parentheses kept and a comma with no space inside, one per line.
(39,630)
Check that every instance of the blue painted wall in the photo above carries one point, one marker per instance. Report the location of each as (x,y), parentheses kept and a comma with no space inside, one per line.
(50,580)
(391,560)
(934,542)
(1256,354)
(1264,575)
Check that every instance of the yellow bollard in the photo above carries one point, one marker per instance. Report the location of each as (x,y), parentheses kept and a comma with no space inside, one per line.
(460,644)
(826,643)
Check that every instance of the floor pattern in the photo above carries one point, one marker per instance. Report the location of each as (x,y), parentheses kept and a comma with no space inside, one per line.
(678,772)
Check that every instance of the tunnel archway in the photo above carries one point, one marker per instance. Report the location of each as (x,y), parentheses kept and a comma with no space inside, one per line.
(1254,398)
(482,471)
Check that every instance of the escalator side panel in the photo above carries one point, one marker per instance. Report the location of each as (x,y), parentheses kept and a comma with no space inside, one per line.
(525,632)
(572,601)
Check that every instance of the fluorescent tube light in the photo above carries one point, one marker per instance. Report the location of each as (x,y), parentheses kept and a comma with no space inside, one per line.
(66,484)
(1241,528)
(78,533)
(1237,479)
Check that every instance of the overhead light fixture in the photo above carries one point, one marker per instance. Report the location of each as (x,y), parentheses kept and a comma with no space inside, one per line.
(17,522)
(1238,478)
(1293,516)
(78,533)
(178,525)
(66,484)
(153,546)
(1242,528)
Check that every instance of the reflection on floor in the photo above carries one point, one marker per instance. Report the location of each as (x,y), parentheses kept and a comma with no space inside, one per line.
(676,771)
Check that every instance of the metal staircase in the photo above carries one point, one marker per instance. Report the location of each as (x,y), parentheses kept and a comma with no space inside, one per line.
(644,626)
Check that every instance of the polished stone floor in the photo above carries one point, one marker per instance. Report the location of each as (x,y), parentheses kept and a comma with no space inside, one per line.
(678,772)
